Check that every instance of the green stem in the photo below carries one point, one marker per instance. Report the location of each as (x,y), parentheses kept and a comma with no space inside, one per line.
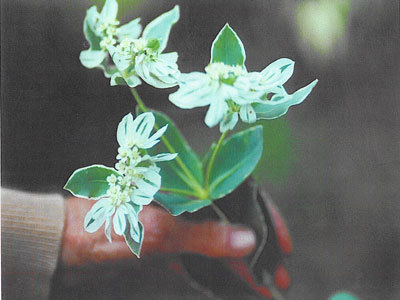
(201,193)
(211,162)
(139,100)
(223,218)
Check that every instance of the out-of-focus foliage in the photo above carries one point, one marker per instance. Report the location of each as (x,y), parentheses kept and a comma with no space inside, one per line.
(125,6)
(277,156)
(322,23)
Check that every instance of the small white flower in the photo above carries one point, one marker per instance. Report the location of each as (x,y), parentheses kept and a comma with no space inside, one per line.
(139,45)
(107,41)
(138,181)
(102,31)
(137,132)
(142,58)
(214,88)
(158,70)
(104,210)
(112,179)
(232,92)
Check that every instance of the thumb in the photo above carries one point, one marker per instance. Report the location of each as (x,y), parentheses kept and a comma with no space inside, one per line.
(219,240)
(209,238)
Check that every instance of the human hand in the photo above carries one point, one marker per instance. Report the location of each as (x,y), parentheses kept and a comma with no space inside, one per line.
(164,234)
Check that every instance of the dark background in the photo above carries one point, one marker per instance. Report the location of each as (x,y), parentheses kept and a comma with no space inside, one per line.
(341,197)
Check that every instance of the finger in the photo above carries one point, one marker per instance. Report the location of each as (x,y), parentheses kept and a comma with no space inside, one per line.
(105,251)
(281,278)
(218,240)
(281,230)
(167,234)
(240,268)
(163,234)
(80,247)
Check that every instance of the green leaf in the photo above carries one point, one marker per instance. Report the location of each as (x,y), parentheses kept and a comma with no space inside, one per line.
(161,26)
(279,104)
(228,48)
(343,296)
(134,246)
(177,204)
(207,156)
(236,159)
(90,182)
(173,177)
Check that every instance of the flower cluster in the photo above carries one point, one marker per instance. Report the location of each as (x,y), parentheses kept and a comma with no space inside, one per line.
(134,57)
(232,91)
(136,182)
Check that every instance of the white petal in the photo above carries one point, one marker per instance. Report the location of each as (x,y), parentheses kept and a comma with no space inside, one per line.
(150,184)
(227,91)
(130,30)
(140,198)
(142,126)
(133,81)
(193,77)
(141,170)
(103,203)
(248,89)
(247,114)
(134,227)
(228,122)
(153,140)
(124,129)
(171,57)
(121,61)
(159,72)
(164,157)
(92,58)
(278,72)
(110,10)
(119,221)
(133,208)
(242,83)
(160,27)
(97,215)
(107,229)
(195,90)
(216,112)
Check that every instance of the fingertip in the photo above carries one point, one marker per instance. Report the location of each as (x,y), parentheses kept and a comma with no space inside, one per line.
(281,278)
(282,232)
(242,241)
(218,240)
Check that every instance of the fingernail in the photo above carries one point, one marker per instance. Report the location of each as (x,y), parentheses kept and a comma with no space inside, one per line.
(242,239)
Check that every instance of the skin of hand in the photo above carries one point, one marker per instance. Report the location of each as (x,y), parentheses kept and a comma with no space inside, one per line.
(163,234)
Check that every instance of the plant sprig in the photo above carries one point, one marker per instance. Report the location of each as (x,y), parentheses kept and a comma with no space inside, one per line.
(184,183)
